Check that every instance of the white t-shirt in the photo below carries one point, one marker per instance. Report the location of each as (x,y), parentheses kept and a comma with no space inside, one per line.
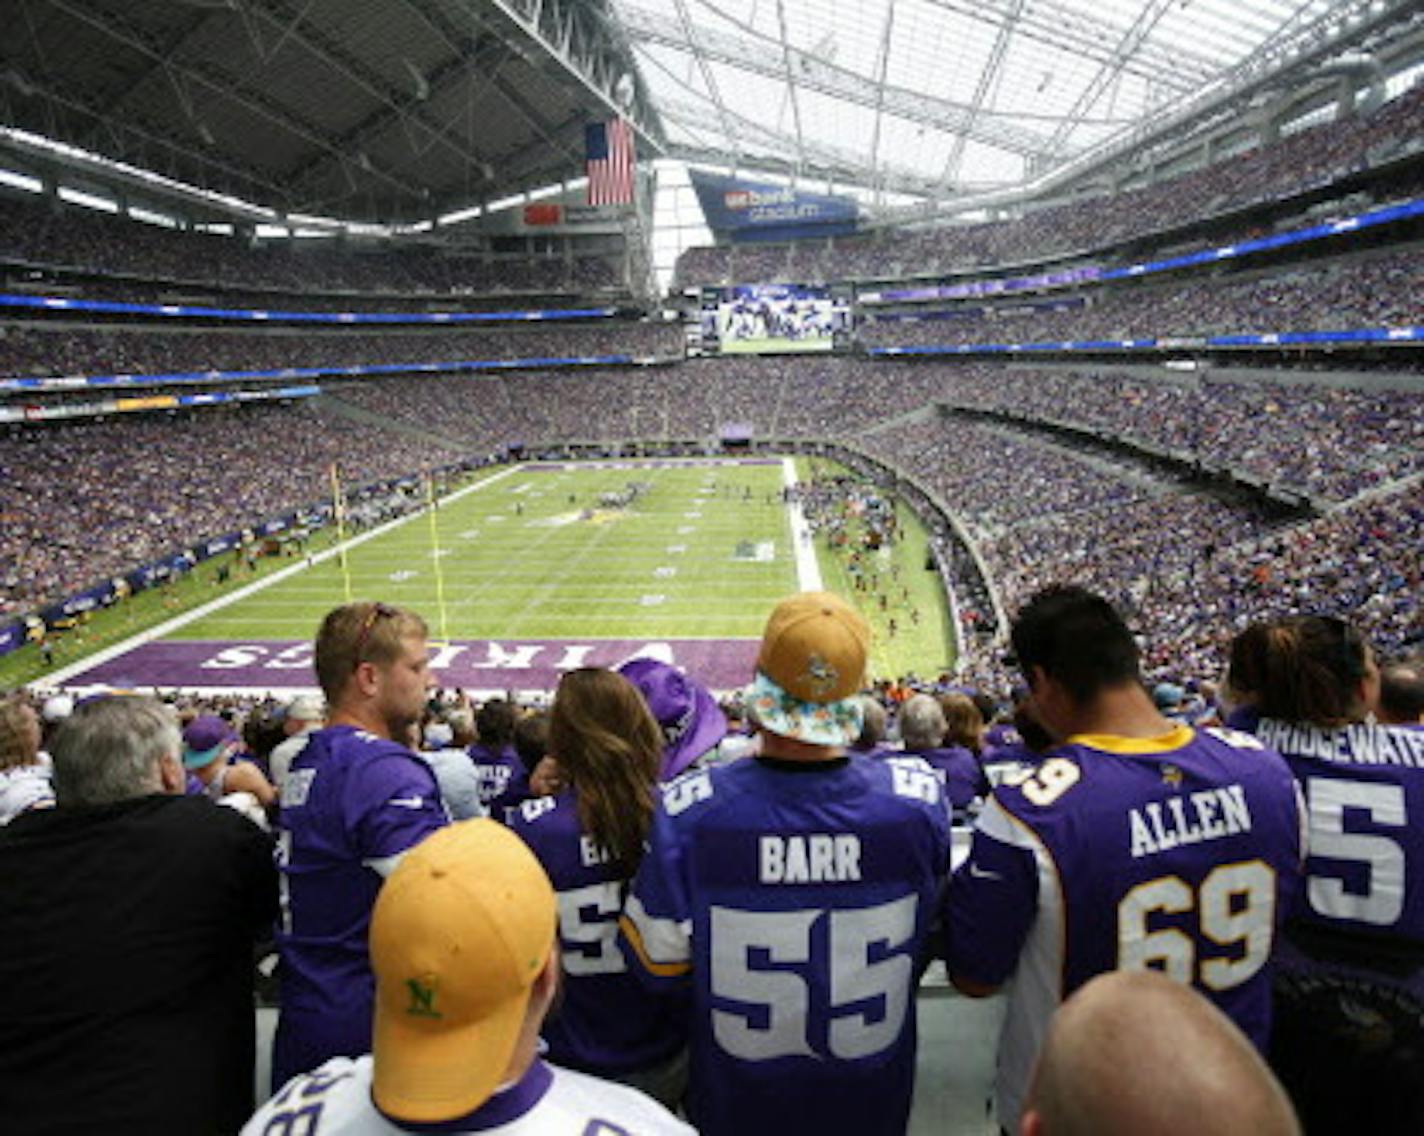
(24,787)
(335,1100)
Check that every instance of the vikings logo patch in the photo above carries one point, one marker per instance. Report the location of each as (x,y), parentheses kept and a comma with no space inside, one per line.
(821,676)
(1172,776)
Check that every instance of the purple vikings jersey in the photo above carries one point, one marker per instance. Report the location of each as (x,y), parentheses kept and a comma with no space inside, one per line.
(1180,853)
(503,781)
(351,804)
(606,1021)
(959,773)
(796,897)
(1350,972)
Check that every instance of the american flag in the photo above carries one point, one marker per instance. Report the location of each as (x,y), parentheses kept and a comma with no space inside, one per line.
(608,150)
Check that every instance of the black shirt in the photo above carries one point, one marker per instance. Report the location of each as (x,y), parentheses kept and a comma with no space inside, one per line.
(126,935)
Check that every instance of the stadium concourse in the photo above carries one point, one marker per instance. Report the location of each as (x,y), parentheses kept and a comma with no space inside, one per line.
(848,577)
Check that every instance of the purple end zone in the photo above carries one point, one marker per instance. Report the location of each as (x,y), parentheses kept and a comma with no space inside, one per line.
(473,664)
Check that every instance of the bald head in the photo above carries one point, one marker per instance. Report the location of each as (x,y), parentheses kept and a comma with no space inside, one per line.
(1135,1052)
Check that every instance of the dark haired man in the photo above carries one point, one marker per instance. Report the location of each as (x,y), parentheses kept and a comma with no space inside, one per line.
(1401,696)
(1159,846)
(353,801)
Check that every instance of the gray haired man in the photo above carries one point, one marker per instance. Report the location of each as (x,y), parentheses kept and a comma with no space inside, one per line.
(129,917)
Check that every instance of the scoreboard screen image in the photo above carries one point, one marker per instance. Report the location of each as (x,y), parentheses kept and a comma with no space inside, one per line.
(757,319)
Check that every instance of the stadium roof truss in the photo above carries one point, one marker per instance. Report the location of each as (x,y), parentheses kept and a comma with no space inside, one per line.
(380,110)
(404,110)
(941,99)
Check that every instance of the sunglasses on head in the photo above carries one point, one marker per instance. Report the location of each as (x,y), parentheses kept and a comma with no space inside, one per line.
(378,611)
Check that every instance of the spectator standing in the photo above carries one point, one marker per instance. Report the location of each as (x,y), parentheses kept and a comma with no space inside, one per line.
(209,745)
(24,778)
(1350,969)
(922,732)
(305,713)
(354,800)
(1401,696)
(590,839)
(793,891)
(1160,847)
(462,944)
(454,772)
(503,779)
(129,920)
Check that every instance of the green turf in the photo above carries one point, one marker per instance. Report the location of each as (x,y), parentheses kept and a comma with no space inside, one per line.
(546,573)
(518,562)
(925,648)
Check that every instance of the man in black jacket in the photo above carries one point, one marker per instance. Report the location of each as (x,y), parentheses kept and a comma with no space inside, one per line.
(128,919)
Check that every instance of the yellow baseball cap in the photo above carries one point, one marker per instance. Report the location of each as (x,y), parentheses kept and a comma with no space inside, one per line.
(460,931)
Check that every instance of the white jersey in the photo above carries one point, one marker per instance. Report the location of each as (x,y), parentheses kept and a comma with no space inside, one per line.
(335,1100)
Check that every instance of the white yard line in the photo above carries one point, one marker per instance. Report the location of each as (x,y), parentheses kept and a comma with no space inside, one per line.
(89,662)
(808,569)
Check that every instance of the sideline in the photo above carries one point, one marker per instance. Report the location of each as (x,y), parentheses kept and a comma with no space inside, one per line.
(808,568)
(98,658)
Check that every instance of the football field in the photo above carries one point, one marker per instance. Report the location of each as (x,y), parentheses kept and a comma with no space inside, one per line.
(524,573)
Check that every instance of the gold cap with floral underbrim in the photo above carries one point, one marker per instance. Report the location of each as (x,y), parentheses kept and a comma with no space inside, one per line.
(810,668)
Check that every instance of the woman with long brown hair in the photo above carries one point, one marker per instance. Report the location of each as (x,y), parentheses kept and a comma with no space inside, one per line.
(590,838)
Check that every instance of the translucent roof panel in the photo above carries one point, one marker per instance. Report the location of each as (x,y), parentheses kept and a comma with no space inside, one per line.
(936,96)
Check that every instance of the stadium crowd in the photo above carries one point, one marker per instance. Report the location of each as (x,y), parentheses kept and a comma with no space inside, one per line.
(1386,290)
(58,349)
(36,233)
(1293,165)
(1332,442)
(658,839)
(1198,567)
(87,501)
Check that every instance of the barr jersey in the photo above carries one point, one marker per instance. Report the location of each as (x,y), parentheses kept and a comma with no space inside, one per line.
(606,1021)
(336,1100)
(351,804)
(1180,853)
(796,897)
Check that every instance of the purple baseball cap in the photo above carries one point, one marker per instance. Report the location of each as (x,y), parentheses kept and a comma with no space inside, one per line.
(204,739)
(690,718)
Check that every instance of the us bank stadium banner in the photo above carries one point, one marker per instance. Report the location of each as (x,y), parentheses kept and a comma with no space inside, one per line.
(759,211)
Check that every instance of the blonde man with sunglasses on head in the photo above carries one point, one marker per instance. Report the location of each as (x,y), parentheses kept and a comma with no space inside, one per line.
(354,800)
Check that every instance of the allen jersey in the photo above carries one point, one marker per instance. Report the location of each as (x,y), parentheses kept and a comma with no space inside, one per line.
(336,1100)
(1180,853)
(606,1021)
(351,804)
(1350,973)
(795,897)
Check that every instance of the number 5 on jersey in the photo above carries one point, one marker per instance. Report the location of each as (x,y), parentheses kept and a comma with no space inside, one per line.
(775,1005)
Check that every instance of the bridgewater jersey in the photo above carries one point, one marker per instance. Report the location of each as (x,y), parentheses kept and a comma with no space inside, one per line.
(351,804)
(796,897)
(503,781)
(606,1021)
(336,1100)
(1180,853)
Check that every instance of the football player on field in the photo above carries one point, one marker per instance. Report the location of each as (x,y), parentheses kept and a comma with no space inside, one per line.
(793,891)
(1134,844)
